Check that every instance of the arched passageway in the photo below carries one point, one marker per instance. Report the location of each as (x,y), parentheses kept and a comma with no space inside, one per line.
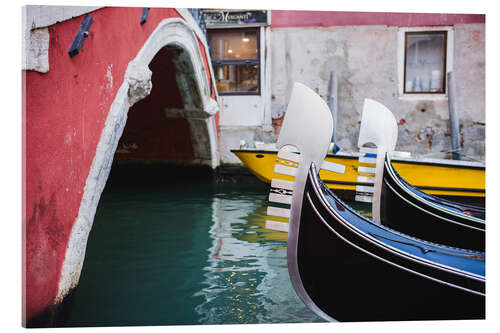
(167,126)
(179,110)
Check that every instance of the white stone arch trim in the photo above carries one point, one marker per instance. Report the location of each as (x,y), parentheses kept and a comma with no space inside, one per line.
(136,85)
(177,32)
(186,15)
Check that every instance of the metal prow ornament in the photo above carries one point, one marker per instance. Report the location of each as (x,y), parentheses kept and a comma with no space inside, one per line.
(307,126)
(378,126)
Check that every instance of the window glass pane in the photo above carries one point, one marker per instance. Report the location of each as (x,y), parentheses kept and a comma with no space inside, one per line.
(425,62)
(237,78)
(233,44)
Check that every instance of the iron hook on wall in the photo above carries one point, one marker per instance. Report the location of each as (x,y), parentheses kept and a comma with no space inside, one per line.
(82,33)
(144,16)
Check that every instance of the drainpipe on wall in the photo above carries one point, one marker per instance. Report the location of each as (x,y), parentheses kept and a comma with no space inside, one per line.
(454,126)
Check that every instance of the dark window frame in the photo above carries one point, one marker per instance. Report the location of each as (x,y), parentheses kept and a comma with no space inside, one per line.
(445,54)
(240,62)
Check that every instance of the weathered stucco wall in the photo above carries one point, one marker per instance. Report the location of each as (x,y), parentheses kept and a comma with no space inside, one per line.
(469,61)
(365,59)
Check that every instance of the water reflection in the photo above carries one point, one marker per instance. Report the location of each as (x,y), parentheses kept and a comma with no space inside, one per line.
(246,278)
(182,255)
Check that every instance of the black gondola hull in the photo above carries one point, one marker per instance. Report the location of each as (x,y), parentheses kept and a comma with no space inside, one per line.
(407,210)
(351,277)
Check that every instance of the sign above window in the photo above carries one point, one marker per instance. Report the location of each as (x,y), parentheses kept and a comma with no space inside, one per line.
(229,17)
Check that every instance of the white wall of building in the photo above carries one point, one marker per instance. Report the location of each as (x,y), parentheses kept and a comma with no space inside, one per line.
(248,117)
(366,61)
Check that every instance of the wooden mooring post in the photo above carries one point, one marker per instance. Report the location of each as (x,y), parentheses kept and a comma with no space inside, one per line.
(454,125)
(332,103)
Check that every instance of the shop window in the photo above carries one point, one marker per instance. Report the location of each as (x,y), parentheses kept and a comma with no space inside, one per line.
(236,60)
(425,62)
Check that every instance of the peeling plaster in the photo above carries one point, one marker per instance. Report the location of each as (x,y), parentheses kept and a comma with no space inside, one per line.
(36,50)
(109,77)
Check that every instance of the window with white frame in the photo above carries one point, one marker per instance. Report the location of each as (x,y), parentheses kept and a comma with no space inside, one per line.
(425,62)
(425,56)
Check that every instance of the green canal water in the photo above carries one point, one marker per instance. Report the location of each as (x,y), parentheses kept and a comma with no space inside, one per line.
(175,253)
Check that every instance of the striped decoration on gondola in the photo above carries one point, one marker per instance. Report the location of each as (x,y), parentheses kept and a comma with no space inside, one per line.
(366,174)
(367,163)
(280,194)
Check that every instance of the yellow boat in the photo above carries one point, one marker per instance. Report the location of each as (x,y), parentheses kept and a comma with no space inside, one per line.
(447,178)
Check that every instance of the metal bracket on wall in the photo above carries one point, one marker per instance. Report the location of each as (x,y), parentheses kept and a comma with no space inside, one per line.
(82,33)
(144,16)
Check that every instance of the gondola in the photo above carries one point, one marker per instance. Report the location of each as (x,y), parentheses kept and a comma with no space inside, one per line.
(409,210)
(357,270)
(346,267)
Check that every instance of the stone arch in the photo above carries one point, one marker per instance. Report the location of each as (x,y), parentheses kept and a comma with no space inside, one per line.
(179,35)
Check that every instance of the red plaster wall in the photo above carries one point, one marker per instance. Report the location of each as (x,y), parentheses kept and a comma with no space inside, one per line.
(65,112)
(300,18)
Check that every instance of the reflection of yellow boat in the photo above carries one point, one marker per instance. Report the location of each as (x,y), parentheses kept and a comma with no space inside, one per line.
(260,234)
(433,176)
